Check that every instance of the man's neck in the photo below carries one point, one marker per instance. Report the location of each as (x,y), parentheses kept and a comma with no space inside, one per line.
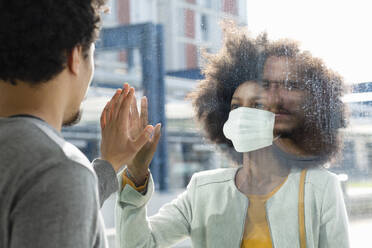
(288,145)
(40,101)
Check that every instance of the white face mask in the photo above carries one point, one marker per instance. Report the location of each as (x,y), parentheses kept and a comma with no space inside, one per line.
(250,129)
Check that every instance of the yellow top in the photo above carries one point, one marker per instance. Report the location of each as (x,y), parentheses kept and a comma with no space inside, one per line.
(257,231)
(127,180)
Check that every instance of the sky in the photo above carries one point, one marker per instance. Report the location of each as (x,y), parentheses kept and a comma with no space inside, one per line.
(339,32)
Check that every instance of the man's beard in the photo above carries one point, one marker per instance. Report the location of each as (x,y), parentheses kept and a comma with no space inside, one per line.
(306,136)
(296,133)
(73,120)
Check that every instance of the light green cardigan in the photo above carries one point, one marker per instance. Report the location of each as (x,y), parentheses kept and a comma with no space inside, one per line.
(212,213)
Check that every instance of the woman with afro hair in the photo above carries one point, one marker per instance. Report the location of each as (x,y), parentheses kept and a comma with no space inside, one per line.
(275,111)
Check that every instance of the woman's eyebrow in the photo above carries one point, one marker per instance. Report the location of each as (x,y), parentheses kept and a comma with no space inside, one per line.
(253,98)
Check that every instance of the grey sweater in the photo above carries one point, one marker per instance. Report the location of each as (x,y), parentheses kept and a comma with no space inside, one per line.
(49,195)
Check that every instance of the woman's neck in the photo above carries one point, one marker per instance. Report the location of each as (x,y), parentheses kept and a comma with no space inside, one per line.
(261,172)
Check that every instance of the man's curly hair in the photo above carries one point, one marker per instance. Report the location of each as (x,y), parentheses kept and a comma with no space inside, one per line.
(242,59)
(37,36)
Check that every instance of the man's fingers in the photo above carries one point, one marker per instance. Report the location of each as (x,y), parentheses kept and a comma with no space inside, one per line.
(124,109)
(111,105)
(103,116)
(108,111)
(134,115)
(134,108)
(123,94)
(144,112)
(143,138)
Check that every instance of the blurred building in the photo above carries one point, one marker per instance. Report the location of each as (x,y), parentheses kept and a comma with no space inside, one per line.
(190,25)
(357,155)
(354,166)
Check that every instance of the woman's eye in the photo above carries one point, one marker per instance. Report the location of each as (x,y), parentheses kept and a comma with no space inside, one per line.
(292,86)
(234,106)
(259,105)
(265,85)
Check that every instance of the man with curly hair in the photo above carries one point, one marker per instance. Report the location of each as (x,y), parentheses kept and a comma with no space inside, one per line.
(49,194)
(276,111)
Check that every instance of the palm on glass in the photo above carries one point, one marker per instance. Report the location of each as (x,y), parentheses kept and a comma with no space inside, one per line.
(127,139)
(138,166)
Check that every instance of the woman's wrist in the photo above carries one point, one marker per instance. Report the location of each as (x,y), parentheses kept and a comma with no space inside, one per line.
(139,179)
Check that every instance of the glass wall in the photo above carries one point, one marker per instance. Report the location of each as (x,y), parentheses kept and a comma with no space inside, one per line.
(189,144)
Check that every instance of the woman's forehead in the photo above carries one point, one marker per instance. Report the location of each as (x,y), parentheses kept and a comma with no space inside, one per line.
(248,90)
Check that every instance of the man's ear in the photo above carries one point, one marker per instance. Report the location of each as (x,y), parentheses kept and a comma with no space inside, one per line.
(74,60)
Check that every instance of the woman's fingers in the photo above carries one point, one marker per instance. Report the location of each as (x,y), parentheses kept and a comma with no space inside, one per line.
(143,138)
(155,139)
(151,146)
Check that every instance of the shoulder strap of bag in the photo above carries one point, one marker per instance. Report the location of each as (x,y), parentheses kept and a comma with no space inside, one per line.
(301,209)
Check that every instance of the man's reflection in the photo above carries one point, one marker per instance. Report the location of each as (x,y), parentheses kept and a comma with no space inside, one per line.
(284,97)
(304,95)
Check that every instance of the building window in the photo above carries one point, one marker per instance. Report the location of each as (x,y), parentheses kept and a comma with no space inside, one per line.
(204,27)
